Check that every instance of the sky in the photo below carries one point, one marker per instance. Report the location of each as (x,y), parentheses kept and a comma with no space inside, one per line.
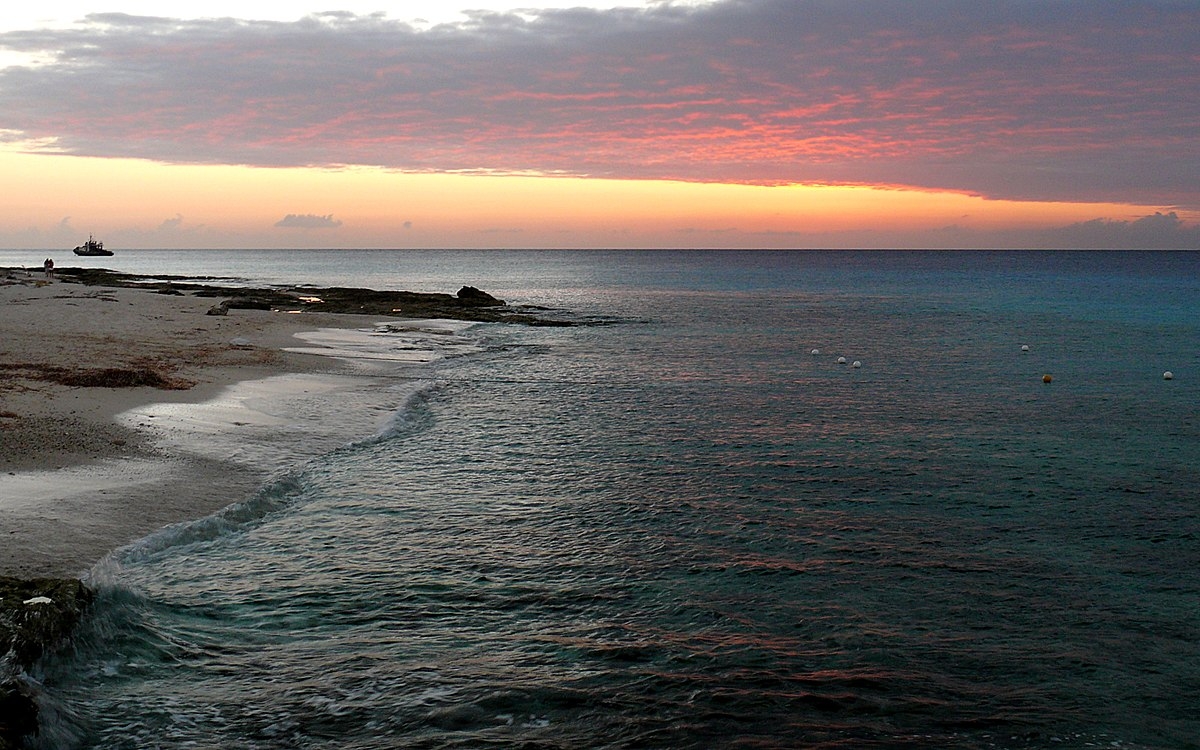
(701,123)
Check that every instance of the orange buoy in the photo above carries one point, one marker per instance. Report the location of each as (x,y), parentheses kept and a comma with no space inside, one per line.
(1046,378)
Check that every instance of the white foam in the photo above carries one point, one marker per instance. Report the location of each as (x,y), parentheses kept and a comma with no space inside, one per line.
(391,340)
(269,424)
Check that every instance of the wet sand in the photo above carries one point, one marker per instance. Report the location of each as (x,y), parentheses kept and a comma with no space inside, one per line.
(76,483)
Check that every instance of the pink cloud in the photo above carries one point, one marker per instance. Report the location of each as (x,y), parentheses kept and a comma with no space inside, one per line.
(1073,100)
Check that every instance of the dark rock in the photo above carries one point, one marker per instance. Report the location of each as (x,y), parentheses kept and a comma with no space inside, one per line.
(108,277)
(28,629)
(469,304)
(473,297)
(247,303)
(18,716)
(35,616)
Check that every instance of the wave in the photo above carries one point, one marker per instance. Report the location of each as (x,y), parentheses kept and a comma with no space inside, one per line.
(277,494)
(406,419)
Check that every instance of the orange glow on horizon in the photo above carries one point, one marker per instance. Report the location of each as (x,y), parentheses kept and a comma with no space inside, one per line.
(55,198)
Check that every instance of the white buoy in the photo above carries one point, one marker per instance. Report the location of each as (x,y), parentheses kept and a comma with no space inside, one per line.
(815,352)
(856,364)
(1168,375)
(1024,347)
(841,360)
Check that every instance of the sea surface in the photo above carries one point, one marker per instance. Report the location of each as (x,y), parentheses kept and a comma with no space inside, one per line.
(686,522)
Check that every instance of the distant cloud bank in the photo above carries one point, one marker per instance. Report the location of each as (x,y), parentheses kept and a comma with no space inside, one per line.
(1157,232)
(308,221)
(1073,100)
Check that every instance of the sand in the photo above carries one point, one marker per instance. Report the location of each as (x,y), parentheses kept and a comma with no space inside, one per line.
(75,483)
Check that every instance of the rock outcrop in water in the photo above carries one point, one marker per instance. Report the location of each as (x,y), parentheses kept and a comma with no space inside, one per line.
(35,616)
(469,303)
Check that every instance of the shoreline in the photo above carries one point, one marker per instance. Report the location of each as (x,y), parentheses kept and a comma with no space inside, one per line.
(83,348)
(88,361)
(57,432)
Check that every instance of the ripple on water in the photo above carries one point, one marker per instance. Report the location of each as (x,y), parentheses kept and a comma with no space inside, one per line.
(690,532)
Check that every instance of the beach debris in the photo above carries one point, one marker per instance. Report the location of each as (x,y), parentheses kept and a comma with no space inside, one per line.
(841,360)
(38,600)
(97,377)
(856,364)
(221,308)
(815,352)
(240,343)
(1047,378)
(1168,375)
(1025,347)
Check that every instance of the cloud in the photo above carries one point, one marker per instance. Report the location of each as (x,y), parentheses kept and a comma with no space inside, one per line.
(308,221)
(1155,232)
(171,224)
(1072,100)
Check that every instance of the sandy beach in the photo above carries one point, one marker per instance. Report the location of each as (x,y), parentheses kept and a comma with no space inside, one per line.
(74,482)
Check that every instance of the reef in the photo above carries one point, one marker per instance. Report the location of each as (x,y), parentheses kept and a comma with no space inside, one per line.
(469,303)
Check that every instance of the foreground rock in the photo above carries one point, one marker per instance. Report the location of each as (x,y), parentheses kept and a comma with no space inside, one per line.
(468,304)
(35,616)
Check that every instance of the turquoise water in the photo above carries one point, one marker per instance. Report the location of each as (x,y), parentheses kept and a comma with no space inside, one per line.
(681,528)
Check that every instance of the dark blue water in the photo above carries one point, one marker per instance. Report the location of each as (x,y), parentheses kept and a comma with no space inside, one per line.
(682,528)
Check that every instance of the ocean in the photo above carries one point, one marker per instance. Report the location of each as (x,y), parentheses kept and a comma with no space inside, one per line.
(754,500)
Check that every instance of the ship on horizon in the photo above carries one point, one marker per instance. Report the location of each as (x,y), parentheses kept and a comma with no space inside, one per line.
(92,247)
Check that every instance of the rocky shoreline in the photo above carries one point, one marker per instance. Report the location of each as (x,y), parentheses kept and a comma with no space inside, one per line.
(468,304)
(38,615)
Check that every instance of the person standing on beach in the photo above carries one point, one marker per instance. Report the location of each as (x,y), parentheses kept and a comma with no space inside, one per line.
(48,268)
